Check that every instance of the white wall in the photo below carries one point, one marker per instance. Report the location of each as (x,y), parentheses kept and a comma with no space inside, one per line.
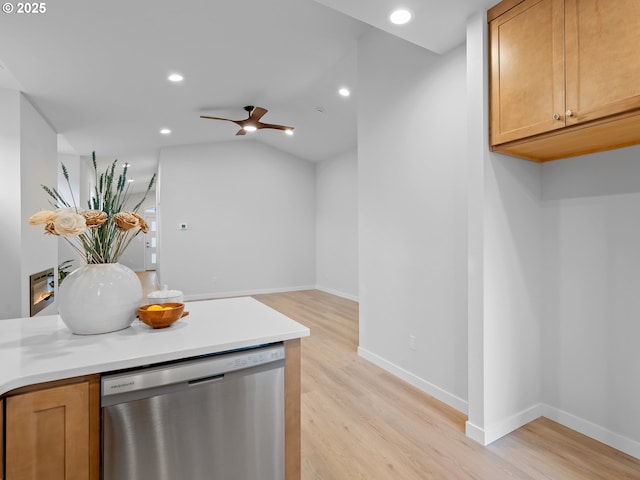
(38,160)
(28,155)
(413,213)
(337,225)
(591,327)
(250,211)
(133,256)
(11,221)
(512,294)
(477,157)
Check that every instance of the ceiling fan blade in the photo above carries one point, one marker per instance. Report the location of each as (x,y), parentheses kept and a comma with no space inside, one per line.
(217,118)
(257,113)
(237,122)
(276,127)
(242,131)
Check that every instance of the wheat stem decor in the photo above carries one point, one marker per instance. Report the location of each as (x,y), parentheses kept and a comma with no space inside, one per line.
(101,233)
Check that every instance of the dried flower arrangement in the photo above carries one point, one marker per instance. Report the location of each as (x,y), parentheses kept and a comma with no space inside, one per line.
(101,233)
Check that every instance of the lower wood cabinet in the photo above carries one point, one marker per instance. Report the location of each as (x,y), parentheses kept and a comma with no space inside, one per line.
(52,431)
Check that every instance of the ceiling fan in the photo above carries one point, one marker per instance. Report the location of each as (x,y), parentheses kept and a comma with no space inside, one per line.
(253,123)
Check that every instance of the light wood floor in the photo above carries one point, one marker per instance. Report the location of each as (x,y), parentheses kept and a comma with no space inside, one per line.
(361,422)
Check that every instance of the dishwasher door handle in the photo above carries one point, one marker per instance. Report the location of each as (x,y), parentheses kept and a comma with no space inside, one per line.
(203,380)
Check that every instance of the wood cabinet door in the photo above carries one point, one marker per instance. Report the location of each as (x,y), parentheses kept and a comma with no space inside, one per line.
(527,70)
(48,434)
(602,58)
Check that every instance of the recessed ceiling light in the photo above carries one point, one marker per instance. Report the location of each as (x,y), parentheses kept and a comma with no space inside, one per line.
(130,180)
(401,16)
(344,91)
(249,128)
(288,131)
(175,77)
(165,131)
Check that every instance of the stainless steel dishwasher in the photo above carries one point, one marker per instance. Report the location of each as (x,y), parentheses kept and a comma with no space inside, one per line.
(216,417)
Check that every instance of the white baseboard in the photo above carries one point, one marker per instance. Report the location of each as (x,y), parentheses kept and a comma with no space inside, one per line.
(504,427)
(500,429)
(244,293)
(433,390)
(474,432)
(497,430)
(615,440)
(348,296)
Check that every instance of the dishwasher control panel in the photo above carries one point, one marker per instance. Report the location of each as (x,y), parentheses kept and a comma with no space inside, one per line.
(251,360)
(189,370)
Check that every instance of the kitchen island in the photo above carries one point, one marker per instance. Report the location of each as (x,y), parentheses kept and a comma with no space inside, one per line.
(40,353)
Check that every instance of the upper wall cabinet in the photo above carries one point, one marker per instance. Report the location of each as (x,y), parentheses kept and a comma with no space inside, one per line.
(564,77)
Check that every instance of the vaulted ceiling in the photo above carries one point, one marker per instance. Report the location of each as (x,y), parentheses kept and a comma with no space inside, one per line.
(97,71)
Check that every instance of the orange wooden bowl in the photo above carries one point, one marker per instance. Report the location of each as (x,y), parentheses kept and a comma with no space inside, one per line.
(170,313)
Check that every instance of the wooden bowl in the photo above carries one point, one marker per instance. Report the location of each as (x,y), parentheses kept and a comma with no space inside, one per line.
(170,313)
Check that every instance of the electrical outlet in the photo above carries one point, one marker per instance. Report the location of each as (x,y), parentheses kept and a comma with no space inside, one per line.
(412,342)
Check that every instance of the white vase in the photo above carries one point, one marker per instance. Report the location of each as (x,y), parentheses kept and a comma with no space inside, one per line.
(99,298)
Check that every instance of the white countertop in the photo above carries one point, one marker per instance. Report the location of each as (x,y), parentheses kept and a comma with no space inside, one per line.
(41,349)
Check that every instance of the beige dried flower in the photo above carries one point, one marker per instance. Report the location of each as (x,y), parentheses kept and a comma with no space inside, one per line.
(126,221)
(43,216)
(69,224)
(143,224)
(94,218)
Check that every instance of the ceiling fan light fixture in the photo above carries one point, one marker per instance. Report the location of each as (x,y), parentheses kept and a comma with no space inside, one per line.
(252,123)
(401,16)
(289,131)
